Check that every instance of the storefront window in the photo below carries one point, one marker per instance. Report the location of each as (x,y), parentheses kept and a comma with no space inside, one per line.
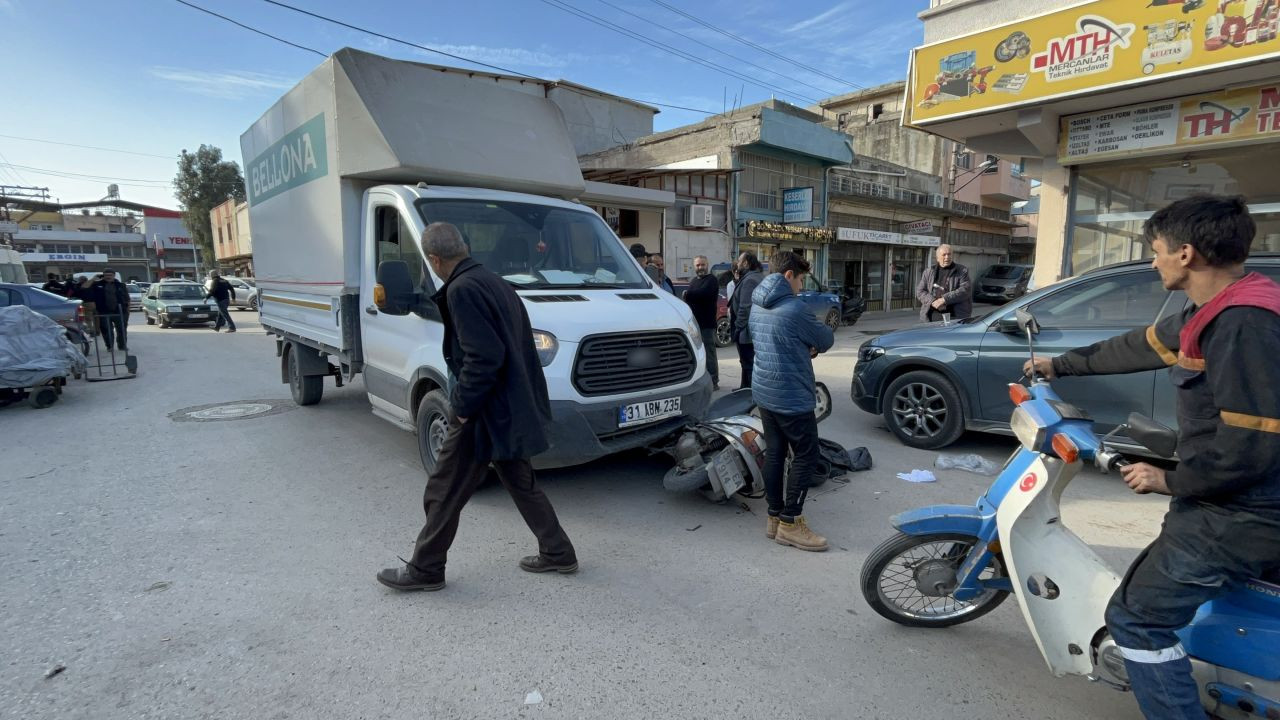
(1111,201)
(906,266)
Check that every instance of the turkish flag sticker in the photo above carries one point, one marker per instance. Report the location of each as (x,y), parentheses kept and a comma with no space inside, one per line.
(1028,482)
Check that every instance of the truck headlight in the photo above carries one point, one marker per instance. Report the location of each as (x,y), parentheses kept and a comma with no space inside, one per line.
(695,333)
(546,345)
(1026,430)
(173,308)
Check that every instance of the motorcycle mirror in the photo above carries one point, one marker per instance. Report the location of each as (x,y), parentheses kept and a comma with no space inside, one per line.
(1026,321)
(1155,437)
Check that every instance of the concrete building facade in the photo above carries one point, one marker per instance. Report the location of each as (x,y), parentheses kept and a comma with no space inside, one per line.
(232,242)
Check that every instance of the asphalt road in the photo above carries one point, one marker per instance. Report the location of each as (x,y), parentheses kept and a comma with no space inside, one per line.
(225,569)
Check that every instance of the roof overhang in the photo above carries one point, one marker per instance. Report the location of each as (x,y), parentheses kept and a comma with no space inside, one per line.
(626,196)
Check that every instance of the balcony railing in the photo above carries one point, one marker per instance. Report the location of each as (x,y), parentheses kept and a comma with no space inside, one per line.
(845,185)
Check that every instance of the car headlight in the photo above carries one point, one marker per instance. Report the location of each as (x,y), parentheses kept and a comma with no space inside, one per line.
(173,308)
(869,352)
(546,345)
(1026,430)
(695,333)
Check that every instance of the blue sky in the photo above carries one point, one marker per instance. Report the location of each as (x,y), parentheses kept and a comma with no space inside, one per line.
(154,76)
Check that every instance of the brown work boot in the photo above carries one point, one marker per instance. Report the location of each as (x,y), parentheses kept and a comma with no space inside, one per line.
(798,535)
(771,527)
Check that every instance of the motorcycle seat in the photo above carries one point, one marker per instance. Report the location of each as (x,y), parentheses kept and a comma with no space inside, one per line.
(738,402)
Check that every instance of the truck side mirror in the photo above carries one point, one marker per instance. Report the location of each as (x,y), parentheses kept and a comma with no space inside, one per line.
(394,293)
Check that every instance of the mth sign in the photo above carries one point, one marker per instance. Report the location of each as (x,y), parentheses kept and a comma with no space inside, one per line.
(797,205)
(1087,48)
(1230,117)
(295,159)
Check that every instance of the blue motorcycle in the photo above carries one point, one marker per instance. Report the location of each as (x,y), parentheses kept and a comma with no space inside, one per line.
(950,564)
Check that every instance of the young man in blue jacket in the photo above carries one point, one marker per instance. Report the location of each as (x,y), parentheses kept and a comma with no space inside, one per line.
(787,336)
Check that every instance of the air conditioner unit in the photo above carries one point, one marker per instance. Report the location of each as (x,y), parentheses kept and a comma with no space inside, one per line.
(935,199)
(697,216)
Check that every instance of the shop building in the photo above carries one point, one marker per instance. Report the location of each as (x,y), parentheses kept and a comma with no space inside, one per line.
(1116,107)
(778,156)
(232,242)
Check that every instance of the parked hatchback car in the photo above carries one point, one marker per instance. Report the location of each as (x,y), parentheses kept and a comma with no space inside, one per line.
(1001,283)
(932,382)
(177,303)
(66,313)
(246,293)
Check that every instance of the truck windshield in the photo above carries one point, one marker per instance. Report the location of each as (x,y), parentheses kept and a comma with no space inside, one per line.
(539,246)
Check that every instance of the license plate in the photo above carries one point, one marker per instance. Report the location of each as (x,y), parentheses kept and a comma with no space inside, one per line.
(647,412)
(728,471)
(197,316)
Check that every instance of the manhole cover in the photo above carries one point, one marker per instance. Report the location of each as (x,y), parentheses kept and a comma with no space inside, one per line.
(234,410)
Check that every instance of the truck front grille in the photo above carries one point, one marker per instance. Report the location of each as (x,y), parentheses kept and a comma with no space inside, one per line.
(606,363)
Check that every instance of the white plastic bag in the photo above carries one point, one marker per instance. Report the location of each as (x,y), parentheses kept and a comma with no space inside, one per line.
(918,476)
(971,463)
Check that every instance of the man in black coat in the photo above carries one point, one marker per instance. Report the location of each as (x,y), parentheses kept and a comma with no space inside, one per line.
(945,289)
(500,408)
(703,298)
(751,272)
(222,293)
(112,300)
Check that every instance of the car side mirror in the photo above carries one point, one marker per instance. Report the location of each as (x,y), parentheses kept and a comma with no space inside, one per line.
(1150,434)
(1008,326)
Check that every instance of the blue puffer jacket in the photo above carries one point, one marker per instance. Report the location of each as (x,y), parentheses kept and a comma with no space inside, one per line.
(783,329)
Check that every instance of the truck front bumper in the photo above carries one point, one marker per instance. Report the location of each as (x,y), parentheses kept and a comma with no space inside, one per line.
(582,432)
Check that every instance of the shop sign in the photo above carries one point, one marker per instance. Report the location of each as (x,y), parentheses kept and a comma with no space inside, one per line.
(65,257)
(797,205)
(1092,47)
(919,226)
(1228,117)
(883,237)
(778,231)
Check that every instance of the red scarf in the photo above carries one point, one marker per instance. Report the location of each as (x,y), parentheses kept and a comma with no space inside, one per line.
(1252,290)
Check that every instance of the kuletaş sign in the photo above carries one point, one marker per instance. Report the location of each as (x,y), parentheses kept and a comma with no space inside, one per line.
(293,160)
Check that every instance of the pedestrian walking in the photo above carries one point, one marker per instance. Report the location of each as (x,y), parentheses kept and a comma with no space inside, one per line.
(499,408)
(53,285)
(750,273)
(787,337)
(703,298)
(222,293)
(945,289)
(111,298)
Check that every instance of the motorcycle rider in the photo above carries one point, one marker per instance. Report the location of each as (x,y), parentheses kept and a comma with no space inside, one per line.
(1223,524)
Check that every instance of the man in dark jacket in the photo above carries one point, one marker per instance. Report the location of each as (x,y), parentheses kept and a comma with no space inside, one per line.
(222,293)
(703,298)
(660,265)
(750,273)
(500,406)
(53,285)
(1223,525)
(787,336)
(945,289)
(111,298)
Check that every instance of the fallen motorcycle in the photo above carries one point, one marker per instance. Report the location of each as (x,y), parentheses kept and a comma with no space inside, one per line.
(724,453)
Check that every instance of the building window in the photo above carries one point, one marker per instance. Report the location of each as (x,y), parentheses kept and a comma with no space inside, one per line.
(877,110)
(763,178)
(628,223)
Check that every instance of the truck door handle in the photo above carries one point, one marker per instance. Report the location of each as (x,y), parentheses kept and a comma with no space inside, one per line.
(370,309)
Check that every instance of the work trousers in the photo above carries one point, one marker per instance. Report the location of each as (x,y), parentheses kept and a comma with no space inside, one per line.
(747,357)
(1203,552)
(709,346)
(457,475)
(224,315)
(114,328)
(799,433)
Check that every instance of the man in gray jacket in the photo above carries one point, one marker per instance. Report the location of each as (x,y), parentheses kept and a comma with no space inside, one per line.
(945,289)
(750,273)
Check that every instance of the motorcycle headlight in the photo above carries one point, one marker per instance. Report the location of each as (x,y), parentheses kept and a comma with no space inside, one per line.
(546,345)
(1026,430)
(695,333)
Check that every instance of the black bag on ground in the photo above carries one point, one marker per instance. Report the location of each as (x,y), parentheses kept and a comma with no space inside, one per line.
(834,461)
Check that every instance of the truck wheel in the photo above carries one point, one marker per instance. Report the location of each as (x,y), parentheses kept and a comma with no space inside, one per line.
(433,427)
(923,409)
(305,389)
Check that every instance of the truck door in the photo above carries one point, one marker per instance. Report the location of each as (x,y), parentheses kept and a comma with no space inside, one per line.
(395,346)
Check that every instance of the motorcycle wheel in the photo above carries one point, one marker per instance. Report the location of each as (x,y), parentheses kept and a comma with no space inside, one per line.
(685,482)
(893,574)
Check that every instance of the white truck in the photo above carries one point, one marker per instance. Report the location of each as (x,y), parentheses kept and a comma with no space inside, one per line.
(346,170)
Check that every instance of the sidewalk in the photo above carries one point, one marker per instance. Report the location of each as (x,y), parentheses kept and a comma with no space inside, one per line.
(880,322)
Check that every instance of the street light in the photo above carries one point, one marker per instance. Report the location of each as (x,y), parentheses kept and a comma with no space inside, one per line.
(951,192)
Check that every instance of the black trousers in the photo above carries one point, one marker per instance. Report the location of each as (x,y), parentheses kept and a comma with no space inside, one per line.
(119,322)
(457,475)
(799,433)
(747,357)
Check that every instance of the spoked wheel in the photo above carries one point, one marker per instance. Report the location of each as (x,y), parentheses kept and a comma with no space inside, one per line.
(910,579)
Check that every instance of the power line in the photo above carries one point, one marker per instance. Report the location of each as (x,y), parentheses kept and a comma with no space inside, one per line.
(130,182)
(663,46)
(761,48)
(715,49)
(250,29)
(87,147)
(11,172)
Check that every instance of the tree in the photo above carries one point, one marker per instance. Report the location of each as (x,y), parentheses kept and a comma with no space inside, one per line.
(205,181)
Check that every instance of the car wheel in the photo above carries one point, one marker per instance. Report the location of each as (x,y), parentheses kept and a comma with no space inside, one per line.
(833,318)
(433,427)
(724,333)
(164,322)
(253,303)
(923,409)
(150,320)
